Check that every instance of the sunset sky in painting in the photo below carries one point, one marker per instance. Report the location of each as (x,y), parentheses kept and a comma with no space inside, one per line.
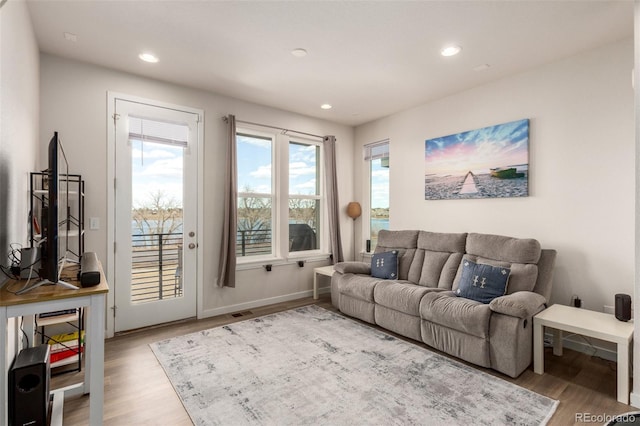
(478,150)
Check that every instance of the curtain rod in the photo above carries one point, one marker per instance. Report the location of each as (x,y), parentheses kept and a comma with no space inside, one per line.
(283,130)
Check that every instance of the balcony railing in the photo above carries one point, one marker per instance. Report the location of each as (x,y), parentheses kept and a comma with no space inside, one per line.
(253,242)
(156,261)
(258,241)
(156,266)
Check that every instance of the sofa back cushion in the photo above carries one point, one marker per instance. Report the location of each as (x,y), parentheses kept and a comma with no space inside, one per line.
(437,258)
(405,242)
(518,254)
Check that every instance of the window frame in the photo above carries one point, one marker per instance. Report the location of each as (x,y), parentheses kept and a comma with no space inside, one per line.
(322,236)
(250,132)
(367,177)
(280,253)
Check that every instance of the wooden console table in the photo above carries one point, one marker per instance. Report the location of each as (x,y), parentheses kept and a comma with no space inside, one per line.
(55,298)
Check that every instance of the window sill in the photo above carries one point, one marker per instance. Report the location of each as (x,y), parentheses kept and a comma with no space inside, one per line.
(278,261)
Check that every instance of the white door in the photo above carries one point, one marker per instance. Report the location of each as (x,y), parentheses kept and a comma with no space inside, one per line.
(155,214)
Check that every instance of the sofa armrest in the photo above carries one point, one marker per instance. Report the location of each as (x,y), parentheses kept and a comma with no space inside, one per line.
(521,304)
(353,268)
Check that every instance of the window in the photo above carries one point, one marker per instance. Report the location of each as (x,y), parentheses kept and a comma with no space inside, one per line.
(304,196)
(255,195)
(377,157)
(280,196)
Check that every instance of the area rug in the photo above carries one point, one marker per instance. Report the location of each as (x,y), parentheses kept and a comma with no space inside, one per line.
(311,366)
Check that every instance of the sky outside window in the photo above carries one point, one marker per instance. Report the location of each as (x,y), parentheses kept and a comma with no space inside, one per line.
(303,170)
(254,164)
(379,185)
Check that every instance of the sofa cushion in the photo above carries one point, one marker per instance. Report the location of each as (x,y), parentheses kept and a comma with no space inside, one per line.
(442,241)
(457,313)
(353,268)
(357,286)
(437,258)
(482,282)
(403,241)
(385,265)
(505,249)
(521,255)
(437,269)
(401,296)
(522,304)
(397,239)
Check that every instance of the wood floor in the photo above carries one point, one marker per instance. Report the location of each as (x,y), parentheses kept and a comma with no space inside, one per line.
(137,392)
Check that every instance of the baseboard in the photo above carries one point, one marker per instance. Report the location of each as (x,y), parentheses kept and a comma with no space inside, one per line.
(260,303)
(579,345)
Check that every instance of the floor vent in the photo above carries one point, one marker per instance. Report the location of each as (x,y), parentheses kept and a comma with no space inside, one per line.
(241,314)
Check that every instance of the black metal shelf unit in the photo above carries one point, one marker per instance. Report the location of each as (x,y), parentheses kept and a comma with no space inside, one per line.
(71,221)
(69,351)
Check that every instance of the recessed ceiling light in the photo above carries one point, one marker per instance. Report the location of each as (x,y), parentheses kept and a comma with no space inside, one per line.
(299,53)
(450,50)
(326,106)
(148,57)
(70,37)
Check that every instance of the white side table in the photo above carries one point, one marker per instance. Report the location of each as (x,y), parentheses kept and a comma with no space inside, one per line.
(588,323)
(322,270)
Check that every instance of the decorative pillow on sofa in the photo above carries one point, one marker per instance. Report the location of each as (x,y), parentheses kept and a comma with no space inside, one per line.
(482,282)
(385,265)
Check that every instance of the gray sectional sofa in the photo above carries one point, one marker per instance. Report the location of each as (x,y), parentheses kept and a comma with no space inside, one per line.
(422,304)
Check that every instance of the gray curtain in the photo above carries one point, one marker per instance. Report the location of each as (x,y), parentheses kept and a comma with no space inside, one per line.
(333,205)
(227,267)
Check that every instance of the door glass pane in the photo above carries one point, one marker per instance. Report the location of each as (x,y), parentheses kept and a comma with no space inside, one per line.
(304,224)
(379,197)
(156,217)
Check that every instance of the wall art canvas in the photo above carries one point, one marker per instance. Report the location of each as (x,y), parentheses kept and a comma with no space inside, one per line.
(492,162)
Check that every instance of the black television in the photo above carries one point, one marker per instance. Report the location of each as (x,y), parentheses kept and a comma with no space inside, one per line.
(50,262)
(50,250)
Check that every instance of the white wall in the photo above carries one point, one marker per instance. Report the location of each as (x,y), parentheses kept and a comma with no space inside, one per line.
(635,394)
(582,168)
(19,98)
(74,102)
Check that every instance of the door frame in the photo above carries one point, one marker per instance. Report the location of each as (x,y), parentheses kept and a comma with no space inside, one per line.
(111,155)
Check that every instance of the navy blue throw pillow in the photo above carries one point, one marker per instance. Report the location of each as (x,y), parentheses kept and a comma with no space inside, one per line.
(482,282)
(385,265)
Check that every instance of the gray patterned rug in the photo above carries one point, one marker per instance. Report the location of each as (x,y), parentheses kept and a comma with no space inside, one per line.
(310,366)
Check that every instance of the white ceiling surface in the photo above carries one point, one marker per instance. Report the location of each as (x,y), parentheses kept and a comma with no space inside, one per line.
(367,59)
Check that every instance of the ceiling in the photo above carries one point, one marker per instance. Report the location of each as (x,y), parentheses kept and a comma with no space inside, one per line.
(367,59)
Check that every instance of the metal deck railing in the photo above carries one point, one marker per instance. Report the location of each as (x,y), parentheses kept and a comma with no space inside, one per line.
(156,266)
